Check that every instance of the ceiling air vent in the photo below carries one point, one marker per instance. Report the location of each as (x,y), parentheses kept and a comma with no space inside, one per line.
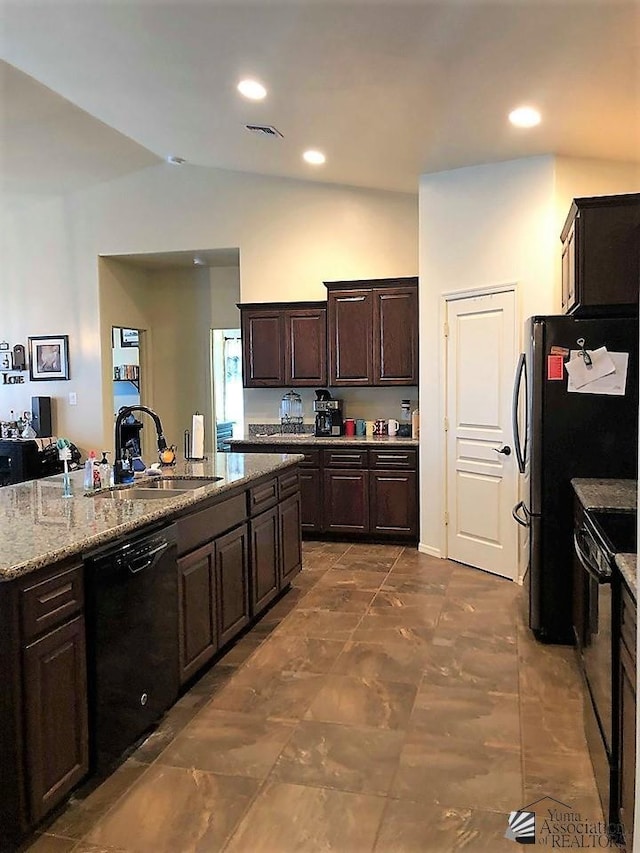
(264,130)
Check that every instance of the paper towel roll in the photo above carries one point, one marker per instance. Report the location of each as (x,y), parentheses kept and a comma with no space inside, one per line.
(197,437)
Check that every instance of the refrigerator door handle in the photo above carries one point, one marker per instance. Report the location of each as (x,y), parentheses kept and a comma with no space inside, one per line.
(521,372)
(515,513)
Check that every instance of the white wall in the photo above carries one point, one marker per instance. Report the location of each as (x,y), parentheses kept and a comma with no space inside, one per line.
(292,235)
(482,226)
(479,226)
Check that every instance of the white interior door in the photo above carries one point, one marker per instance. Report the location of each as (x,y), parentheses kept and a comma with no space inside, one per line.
(481,482)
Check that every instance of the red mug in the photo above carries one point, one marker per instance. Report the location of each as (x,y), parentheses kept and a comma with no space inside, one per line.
(349,427)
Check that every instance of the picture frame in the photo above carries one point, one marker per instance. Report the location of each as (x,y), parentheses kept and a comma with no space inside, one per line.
(48,357)
(129,338)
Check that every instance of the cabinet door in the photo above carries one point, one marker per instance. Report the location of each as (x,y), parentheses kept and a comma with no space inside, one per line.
(290,542)
(393,503)
(627,756)
(350,325)
(310,500)
(264,559)
(232,582)
(346,501)
(262,348)
(197,617)
(56,733)
(569,270)
(306,347)
(395,336)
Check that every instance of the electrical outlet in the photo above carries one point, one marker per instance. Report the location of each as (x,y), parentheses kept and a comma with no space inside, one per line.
(73,398)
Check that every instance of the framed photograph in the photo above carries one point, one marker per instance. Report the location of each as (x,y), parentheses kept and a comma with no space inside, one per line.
(129,337)
(49,357)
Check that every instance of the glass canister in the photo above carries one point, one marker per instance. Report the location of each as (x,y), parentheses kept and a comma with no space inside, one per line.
(291,412)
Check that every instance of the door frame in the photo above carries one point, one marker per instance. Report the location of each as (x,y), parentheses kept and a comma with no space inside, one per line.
(445,299)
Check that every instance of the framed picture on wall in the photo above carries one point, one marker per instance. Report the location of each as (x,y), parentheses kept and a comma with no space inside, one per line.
(49,357)
(129,337)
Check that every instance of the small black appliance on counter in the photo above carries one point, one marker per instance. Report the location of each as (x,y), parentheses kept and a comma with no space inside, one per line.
(328,414)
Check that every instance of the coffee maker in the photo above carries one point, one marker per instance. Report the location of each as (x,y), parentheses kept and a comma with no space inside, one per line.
(328,414)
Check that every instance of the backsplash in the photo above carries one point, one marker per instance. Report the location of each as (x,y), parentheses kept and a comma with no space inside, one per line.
(262,405)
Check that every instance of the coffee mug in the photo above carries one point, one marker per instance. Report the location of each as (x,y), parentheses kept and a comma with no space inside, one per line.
(393,425)
(361,427)
(380,427)
(369,427)
(349,426)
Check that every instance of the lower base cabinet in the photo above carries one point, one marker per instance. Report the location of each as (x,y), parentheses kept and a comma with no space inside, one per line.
(56,731)
(311,501)
(231,561)
(393,505)
(197,610)
(627,679)
(346,501)
(290,540)
(264,562)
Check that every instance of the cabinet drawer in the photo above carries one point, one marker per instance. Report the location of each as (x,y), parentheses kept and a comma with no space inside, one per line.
(49,601)
(345,458)
(393,460)
(311,457)
(628,622)
(203,526)
(263,496)
(288,484)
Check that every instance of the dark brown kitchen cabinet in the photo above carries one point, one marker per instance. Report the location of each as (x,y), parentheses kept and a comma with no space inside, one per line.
(262,348)
(305,347)
(284,344)
(393,503)
(350,335)
(346,501)
(264,530)
(232,581)
(311,501)
(56,727)
(290,540)
(197,610)
(601,255)
(373,332)
(627,715)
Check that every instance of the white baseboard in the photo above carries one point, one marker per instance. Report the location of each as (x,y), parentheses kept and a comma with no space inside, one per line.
(430,550)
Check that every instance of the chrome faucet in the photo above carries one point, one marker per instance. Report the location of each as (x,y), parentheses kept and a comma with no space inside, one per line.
(124,412)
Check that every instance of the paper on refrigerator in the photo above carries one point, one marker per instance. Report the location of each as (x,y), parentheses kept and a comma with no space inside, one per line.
(601,364)
(612,383)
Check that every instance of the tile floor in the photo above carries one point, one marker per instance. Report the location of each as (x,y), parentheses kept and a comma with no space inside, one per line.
(390,702)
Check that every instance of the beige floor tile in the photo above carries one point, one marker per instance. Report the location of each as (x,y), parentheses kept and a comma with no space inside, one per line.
(363,702)
(389,662)
(287,818)
(172,809)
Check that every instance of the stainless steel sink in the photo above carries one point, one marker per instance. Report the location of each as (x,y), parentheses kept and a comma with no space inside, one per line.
(182,483)
(161,487)
(140,493)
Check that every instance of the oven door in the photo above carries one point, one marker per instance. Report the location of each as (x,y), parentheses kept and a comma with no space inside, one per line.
(594,634)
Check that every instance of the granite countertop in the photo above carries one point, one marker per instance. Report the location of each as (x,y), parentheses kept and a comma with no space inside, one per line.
(627,563)
(607,494)
(311,439)
(38,526)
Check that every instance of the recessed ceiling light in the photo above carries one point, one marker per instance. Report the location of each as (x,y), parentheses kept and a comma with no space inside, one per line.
(198,262)
(316,158)
(175,161)
(524,117)
(252,89)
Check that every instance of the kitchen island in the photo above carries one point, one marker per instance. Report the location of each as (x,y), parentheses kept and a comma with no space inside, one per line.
(354,487)
(236,546)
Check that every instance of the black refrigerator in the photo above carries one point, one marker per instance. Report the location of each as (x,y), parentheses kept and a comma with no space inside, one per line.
(559,435)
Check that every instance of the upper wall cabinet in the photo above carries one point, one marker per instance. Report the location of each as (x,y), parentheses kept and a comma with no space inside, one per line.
(601,255)
(284,344)
(373,332)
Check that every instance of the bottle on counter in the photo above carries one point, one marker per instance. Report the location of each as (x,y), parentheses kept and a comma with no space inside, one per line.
(89,466)
(415,423)
(106,471)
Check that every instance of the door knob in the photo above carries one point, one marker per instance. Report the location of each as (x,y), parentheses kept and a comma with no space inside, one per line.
(504,449)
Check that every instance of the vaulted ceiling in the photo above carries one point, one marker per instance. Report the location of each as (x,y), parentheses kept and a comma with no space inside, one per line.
(92,89)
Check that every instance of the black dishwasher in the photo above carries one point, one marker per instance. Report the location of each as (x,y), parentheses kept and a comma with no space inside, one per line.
(132,640)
